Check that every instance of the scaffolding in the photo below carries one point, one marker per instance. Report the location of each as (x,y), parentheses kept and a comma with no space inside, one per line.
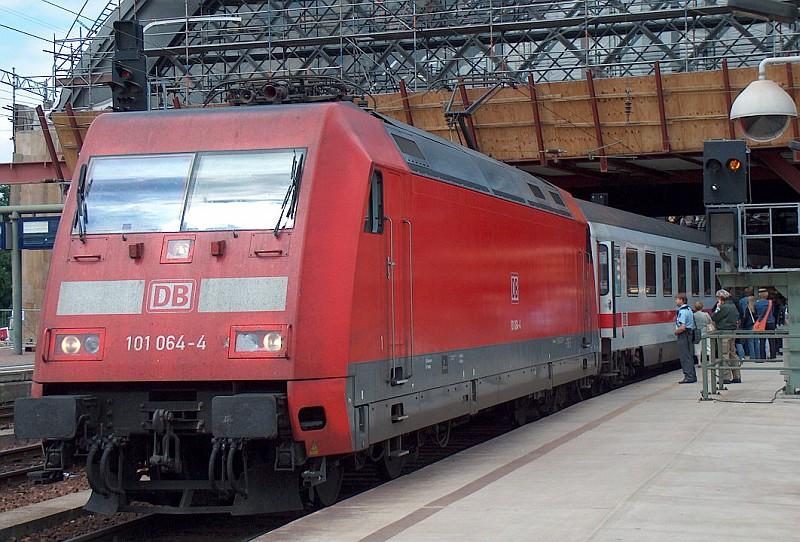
(428,44)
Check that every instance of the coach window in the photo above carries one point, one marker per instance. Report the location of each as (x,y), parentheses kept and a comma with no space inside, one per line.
(695,277)
(717,269)
(681,274)
(706,278)
(602,280)
(666,274)
(632,270)
(650,273)
(617,271)
(374,220)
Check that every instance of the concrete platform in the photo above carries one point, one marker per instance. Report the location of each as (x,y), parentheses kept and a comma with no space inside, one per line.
(22,521)
(10,361)
(648,462)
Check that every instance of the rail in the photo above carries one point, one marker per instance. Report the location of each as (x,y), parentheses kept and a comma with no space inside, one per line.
(712,367)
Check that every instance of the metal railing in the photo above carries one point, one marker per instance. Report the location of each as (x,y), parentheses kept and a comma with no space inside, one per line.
(713,367)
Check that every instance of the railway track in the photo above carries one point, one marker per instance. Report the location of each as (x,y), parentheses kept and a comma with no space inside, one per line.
(7,414)
(16,463)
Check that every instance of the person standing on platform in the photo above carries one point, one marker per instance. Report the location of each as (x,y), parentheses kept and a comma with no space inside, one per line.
(684,334)
(726,318)
(765,311)
(703,322)
(746,347)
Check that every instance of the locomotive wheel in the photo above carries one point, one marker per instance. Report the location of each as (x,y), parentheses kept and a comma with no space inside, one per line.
(521,411)
(390,467)
(327,493)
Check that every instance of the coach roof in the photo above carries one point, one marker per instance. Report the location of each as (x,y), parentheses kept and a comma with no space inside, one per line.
(602,214)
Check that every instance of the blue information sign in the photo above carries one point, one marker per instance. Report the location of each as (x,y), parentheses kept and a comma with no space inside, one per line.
(5,239)
(38,233)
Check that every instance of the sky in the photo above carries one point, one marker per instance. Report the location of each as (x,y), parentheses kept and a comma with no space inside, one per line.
(29,55)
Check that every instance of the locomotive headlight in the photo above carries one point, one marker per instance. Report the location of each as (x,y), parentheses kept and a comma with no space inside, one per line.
(75,344)
(273,342)
(179,249)
(247,342)
(258,342)
(70,345)
(92,343)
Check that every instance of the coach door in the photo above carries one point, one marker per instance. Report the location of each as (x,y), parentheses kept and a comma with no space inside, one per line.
(605,289)
(399,235)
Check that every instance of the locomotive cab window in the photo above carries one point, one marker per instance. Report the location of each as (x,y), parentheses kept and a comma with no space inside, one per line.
(241,190)
(632,270)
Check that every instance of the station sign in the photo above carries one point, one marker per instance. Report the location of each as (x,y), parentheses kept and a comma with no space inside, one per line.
(38,233)
(5,235)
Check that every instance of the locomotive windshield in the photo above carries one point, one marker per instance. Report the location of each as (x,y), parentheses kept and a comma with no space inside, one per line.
(191,192)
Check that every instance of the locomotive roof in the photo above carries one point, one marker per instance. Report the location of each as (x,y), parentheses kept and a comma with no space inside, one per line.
(441,159)
(610,216)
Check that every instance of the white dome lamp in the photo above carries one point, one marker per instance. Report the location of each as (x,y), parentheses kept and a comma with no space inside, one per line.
(763,109)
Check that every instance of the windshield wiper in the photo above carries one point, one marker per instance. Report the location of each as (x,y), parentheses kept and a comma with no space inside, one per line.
(289,205)
(80,196)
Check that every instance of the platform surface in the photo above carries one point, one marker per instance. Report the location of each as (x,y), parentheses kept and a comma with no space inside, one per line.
(10,361)
(648,462)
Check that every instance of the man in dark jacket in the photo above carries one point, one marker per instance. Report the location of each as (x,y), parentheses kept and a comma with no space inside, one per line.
(726,318)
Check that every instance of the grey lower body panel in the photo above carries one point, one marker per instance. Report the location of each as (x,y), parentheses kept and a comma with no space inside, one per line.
(448,385)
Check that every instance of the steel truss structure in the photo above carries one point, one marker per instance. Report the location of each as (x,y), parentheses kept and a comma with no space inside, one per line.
(427,43)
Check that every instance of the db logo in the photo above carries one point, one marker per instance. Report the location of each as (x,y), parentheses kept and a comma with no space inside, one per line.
(169,295)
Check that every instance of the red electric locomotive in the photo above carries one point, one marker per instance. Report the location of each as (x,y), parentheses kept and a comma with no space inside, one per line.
(242,298)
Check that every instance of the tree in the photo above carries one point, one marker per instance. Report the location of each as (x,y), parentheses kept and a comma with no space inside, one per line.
(5,260)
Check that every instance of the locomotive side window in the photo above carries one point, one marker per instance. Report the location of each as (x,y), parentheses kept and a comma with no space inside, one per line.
(243,190)
(695,277)
(602,269)
(557,198)
(706,278)
(135,193)
(374,221)
(650,273)
(666,274)
(681,274)
(409,147)
(632,270)
(536,191)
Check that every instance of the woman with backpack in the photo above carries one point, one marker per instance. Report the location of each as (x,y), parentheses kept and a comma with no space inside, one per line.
(765,320)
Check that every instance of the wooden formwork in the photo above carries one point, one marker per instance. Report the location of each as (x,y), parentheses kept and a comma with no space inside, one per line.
(695,108)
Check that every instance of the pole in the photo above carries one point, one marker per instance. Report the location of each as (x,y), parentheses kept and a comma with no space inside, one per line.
(16,283)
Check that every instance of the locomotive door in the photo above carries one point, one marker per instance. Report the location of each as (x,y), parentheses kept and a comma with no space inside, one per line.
(399,230)
(607,302)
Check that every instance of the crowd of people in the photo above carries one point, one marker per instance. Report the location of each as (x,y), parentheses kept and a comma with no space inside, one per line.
(764,312)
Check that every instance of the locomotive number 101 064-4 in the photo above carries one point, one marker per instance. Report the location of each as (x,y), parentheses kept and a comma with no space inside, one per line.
(145,343)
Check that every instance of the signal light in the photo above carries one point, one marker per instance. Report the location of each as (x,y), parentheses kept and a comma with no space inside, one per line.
(129,73)
(725,178)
